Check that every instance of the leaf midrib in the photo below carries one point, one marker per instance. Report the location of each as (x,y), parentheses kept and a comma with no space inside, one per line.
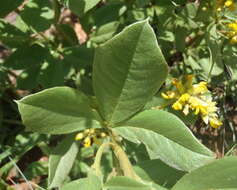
(118,102)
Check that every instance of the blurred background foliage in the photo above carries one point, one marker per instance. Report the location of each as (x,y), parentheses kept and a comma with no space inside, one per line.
(47,43)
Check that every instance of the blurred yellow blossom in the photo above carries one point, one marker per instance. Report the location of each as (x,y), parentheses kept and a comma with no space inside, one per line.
(90,136)
(228,4)
(193,97)
(232,32)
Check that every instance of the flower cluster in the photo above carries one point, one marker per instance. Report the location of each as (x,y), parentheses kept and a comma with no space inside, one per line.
(90,136)
(193,97)
(232,33)
(225,4)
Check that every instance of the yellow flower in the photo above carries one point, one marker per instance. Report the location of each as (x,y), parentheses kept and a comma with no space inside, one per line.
(193,97)
(90,136)
(177,106)
(215,123)
(168,95)
(233,40)
(228,4)
(232,33)
(87,142)
(200,88)
(79,136)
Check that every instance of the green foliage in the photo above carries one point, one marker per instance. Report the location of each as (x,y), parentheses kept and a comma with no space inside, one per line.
(224,179)
(60,118)
(136,60)
(81,7)
(65,152)
(8,6)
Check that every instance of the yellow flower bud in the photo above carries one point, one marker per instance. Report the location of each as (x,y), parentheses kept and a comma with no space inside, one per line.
(102,135)
(228,3)
(87,142)
(168,95)
(177,105)
(233,40)
(79,136)
(185,97)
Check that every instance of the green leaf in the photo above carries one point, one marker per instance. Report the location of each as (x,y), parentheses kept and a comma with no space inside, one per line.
(159,172)
(37,168)
(104,32)
(56,111)
(128,70)
(26,56)
(80,7)
(38,14)
(28,79)
(125,183)
(90,183)
(53,72)
(12,36)
(167,138)
(215,66)
(61,161)
(8,6)
(68,35)
(78,56)
(114,9)
(220,174)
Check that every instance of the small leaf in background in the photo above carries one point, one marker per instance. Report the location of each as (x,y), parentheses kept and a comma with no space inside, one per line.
(38,168)
(80,7)
(167,138)
(92,182)
(114,9)
(78,56)
(8,6)
(128,70)
(215,66)
(220,174)
(68,35)
(28,79)
(38,14)
(61,161)
(56,111)
(53,72)
(26,57)
(104,32)
(12,36)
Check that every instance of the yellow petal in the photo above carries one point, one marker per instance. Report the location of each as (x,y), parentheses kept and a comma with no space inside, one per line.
(177,106)
(215,123)
(185,97)
(186,109)
(79,136)
(200,88)
(233,40)
(87,142)
(228,3)
(205,119)
(102,134)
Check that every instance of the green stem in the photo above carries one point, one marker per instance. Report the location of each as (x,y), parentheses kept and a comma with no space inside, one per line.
(124,162)
(96,165)
(212,65)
